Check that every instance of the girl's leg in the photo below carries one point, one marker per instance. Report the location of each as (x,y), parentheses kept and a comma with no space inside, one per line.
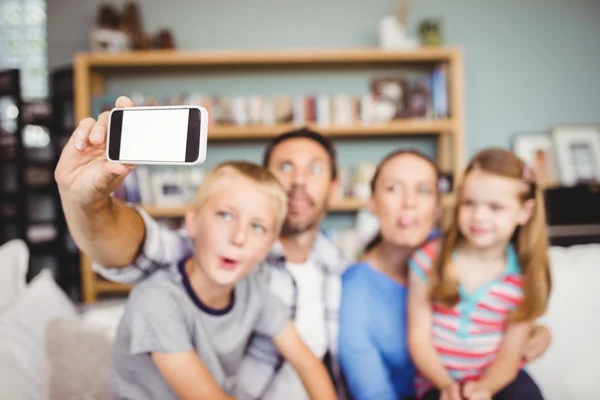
(522,388)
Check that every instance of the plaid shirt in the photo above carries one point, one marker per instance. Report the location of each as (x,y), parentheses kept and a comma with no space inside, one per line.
(163,247)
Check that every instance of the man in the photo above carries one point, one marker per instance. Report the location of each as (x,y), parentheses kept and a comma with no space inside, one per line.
(127,245)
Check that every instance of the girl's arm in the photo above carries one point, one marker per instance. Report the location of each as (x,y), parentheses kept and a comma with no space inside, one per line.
(363,366)
(505,367)
(188,377)
(421,347)
(311,370)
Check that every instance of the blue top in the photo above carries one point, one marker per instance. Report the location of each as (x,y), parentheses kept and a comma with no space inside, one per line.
(373,335)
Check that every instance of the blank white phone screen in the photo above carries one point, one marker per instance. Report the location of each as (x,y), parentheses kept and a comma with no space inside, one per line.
(154,135)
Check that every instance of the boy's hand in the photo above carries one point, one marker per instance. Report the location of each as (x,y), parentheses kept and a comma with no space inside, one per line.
(83,173)
(537,343)
(451,392)
(473,391)
(311,370)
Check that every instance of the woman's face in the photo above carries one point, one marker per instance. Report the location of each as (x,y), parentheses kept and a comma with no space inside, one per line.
(405,200)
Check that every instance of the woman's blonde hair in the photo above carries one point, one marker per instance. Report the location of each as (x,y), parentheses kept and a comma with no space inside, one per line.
(258,175)
(530,240)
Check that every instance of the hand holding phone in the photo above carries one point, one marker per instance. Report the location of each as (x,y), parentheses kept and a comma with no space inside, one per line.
(83,175)
(158,135)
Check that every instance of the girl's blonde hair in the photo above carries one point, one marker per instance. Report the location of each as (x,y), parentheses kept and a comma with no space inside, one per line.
(257,174)
(530,240)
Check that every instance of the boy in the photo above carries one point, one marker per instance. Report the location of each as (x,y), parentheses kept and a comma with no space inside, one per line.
(185,329)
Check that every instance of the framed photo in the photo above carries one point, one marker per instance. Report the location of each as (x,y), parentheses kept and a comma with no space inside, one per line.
(578,153)
(537,150)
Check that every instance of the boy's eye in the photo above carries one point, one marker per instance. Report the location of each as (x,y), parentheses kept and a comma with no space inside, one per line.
(224,215)
(425,191)
(393,188)
(496,207)
(259,228)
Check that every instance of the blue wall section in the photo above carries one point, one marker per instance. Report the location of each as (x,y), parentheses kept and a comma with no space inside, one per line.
(528,63)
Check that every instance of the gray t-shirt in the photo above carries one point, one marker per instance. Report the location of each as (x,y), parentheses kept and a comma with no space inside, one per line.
(164,315)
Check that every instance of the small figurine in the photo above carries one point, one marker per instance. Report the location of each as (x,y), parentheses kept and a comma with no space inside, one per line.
(106,35)
(430,33)
(163,40)
(131,24)
(392,30)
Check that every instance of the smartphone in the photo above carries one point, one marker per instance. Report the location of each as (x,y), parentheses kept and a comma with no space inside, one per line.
(158,135)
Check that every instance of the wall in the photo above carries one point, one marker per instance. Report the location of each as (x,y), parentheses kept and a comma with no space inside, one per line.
(529,64)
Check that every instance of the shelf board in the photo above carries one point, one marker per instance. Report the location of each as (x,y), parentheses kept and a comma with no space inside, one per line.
(179,211)
(111,287)
(345,205)
(393,128)
(178,58)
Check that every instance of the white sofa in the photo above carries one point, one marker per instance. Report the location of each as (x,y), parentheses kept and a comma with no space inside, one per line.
(569,370)
(51,349)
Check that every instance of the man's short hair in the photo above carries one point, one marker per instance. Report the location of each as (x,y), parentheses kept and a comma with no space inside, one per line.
(320,139)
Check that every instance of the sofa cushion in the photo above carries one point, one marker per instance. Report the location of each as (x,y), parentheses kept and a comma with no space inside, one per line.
(569,369)
(14,262)
(22,331)
(79,358)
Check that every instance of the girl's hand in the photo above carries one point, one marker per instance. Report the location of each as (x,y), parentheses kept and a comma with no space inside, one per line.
(537,343)
(451,392)
(473,391)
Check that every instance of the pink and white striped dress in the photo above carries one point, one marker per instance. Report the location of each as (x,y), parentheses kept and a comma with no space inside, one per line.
(468,335)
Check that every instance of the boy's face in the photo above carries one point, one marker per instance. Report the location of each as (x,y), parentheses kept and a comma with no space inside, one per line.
(303,167)
(233,231)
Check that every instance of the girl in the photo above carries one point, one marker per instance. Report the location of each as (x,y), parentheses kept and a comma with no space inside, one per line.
(373,336)
(475,294)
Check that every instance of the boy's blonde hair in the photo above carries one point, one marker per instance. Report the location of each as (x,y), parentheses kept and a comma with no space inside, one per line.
(258,175)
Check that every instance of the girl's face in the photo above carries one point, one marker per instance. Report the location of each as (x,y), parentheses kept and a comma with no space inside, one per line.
(491,209)
(405,200)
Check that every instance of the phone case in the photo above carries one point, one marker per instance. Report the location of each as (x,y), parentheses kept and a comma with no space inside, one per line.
(203,135)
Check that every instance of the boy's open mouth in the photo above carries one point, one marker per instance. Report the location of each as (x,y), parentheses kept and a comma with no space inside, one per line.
(228,263)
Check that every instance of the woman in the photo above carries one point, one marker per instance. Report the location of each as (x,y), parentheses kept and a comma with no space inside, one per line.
(373,334)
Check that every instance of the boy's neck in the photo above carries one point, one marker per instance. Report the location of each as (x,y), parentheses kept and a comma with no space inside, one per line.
(213,296)
(297,248)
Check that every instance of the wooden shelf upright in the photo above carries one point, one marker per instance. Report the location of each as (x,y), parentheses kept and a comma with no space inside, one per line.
(91,71)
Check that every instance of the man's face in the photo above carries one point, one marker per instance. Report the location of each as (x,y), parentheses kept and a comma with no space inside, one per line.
(304,169)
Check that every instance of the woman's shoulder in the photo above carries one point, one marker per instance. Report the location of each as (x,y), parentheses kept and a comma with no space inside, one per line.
(356,269)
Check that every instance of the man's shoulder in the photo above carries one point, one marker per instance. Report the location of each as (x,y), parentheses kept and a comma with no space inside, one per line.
(327,253)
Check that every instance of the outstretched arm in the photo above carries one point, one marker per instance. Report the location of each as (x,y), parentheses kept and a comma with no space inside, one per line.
(161,248)
(105,229)
(311,370)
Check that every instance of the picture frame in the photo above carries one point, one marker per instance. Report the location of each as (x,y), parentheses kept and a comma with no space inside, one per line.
(536,149)
(577,150)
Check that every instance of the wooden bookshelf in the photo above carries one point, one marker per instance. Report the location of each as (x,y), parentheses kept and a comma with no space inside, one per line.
(409,127)
(91,71)
(279,58)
